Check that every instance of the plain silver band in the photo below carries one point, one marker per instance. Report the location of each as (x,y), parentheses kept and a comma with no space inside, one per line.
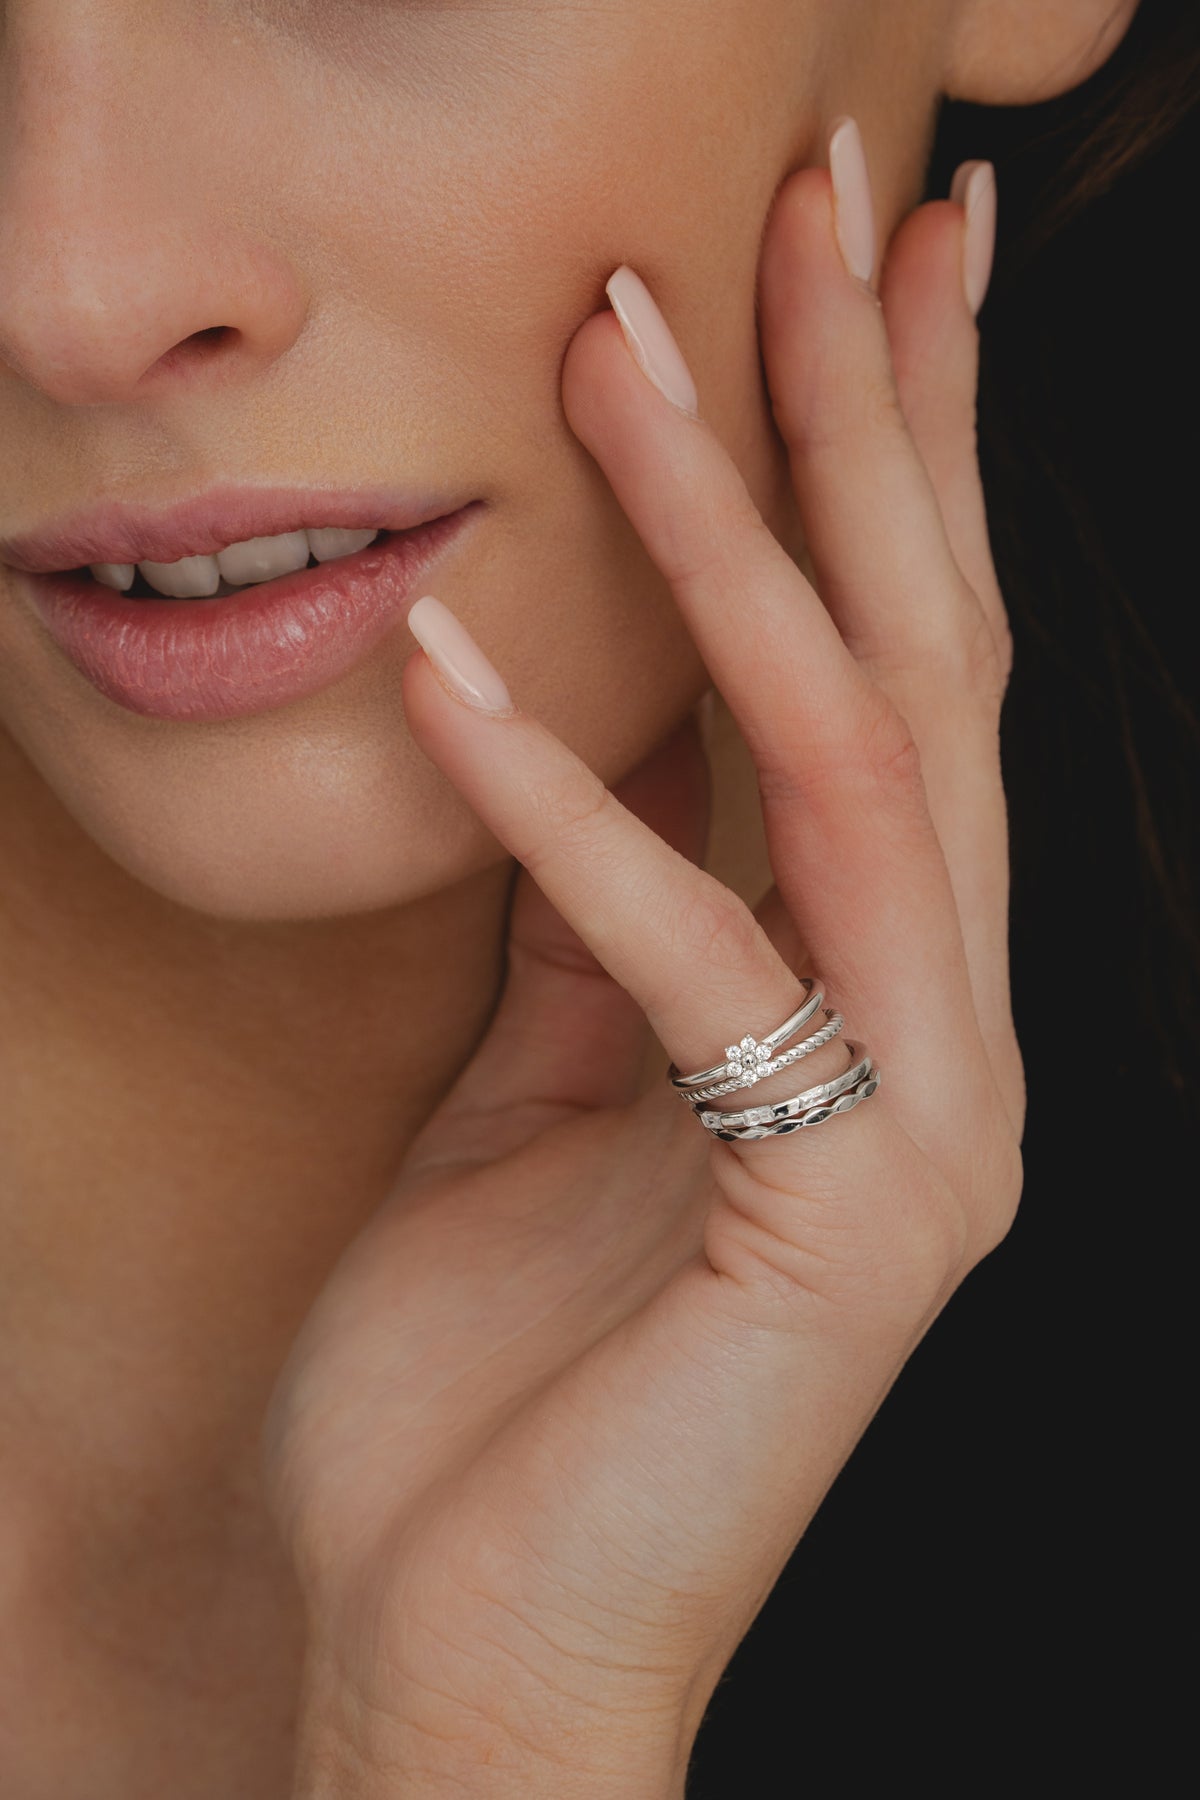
(816,1115)
(816,1042)
(779,1036)
(755,1116)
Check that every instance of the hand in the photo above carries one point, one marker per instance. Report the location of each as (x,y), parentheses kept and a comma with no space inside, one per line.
(567,1403)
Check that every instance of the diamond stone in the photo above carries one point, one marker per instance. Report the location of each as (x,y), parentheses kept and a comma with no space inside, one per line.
(748,1061)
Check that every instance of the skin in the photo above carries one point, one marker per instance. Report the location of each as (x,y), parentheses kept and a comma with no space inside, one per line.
(168,983)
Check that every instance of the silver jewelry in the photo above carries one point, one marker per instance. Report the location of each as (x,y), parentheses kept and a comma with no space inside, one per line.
(860,1063)
(815,1116)
(815,1042)
(747,1061)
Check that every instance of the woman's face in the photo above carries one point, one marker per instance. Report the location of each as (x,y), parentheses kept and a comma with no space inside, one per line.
(400,211)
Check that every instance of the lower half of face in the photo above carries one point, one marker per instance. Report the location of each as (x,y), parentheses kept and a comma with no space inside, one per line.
(449,201)
(325,805)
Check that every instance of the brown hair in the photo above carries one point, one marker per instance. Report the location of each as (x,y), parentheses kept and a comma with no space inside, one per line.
(1085,333)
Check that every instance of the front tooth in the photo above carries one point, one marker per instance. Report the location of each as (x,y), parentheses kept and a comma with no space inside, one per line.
(191,578)
(114,575)
(330,541)
(261,559)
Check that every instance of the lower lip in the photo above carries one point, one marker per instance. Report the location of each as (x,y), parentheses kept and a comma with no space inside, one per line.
(243,653)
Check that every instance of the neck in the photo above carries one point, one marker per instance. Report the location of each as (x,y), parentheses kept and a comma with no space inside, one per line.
(196,1116)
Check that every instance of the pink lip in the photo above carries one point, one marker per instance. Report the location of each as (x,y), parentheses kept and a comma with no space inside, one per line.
(121,532)
(240,653)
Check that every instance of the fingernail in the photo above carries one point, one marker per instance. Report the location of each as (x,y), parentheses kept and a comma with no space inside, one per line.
(853,209)
(974,189)
(649,338)
(457,657)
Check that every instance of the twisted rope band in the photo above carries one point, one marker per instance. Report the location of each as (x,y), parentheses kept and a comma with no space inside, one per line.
(746,1060)
(762,1070)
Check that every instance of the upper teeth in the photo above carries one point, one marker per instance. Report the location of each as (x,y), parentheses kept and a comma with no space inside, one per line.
(257,559)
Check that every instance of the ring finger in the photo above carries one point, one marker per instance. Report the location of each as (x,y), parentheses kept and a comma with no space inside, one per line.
(686,948)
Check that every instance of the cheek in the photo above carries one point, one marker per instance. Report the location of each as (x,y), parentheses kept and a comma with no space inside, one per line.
(633,149)
(502,197)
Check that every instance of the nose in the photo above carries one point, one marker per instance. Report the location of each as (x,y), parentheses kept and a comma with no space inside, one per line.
(130,263)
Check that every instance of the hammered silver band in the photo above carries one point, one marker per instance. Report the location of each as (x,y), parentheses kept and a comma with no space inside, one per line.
(817,1115)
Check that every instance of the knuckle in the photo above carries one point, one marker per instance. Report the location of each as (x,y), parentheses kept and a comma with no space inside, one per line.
(887,766)
(887,748)
(1002,638)
(881,407)
(836,1245)
(963,657)
(861,1248)
(715,928)
(936,1245)
(870,758)
(842,410)
(710,542)
(565,821)
(985,656)
(998,1211)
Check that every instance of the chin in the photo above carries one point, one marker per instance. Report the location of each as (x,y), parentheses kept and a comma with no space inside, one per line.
(311,813)
(313,874)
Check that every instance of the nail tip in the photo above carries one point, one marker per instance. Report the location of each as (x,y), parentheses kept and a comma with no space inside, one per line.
(853,203)
(623,276)
(419,603)
(978,198)
(652,343)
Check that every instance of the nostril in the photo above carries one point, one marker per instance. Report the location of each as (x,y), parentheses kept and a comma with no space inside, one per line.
(199,346)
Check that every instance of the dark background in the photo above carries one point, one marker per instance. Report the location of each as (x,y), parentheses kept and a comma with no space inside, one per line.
(981,1605)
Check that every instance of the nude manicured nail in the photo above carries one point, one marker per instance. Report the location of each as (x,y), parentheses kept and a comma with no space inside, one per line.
(650,340)
(974,189)
(853,208)
(457,657)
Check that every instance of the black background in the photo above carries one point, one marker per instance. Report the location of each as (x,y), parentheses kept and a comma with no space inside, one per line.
(983,1603)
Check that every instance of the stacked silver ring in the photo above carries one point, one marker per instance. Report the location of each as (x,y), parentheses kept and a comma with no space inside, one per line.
(752,1060)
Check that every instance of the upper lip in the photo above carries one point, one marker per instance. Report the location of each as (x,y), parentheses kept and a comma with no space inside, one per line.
(118,531)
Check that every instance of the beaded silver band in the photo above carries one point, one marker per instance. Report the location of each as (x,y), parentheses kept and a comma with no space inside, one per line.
(860,1064)
(816,1115)
(746,1061)
(816,1042)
